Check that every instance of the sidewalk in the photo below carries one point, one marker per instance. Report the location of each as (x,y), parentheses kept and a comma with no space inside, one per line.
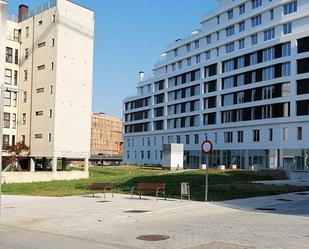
(116,223)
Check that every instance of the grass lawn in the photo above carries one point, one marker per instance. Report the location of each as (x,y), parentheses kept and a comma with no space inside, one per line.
(222,185)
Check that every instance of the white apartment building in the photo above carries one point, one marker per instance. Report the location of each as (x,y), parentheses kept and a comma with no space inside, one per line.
(49,66)
(241,81)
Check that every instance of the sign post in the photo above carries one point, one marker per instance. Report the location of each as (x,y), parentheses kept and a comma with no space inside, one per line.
(207,149)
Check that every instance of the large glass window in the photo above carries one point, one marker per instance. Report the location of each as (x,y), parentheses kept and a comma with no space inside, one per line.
(9,55)
(290,8)
(6,120)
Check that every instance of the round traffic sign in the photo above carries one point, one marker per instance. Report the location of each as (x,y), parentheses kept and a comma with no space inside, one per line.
(207,146)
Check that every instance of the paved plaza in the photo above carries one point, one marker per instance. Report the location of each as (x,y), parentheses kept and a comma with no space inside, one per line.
(87,222)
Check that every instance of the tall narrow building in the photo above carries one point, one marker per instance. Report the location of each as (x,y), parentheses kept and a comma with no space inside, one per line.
(241,81)
(49,62)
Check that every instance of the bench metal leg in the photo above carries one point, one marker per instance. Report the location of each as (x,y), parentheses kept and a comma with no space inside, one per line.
(132,192)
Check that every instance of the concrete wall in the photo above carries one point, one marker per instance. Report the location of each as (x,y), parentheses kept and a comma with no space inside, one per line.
(27,177)
(73,103)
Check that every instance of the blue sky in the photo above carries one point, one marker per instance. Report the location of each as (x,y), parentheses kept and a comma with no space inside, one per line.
(129,37)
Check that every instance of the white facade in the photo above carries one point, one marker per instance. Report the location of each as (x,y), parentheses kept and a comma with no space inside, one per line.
(55,68)
(241,81)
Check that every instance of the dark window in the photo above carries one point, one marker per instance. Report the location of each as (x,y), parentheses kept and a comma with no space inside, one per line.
(303,66)
(303,108)
(159,98)
(303,86)
(159,112)
(303,45)
(158,125)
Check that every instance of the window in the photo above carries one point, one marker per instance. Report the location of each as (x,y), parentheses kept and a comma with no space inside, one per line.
(188,47)
(176,52)
(257,20)
(26,53)
(16,59)
(229,31)
(269,34)
(40,90)
(196,139)
(228,137)
(25,97)
(54,18)
(41,67)
(218,19)
(240,135)
(299,133)
(241,43)
(271,14)
(42,44)
(53,42)
(290,8)
(15,77)
(38,136)
(40,22)
(187,139)
(8,76)
(189,62)
(148,154)
(7,98)
(271,134)
(197,59)
(256,3)
(14,99)
(52,66)
(242,9)
(6,141)
(6,120)
(24,118)
(241,26)
(25,75)
(39,113)
(229,47)
(230,14)
(268,54)
(197,44)
(285,134)
(142,154)
(286,69)
(287,28)
(173,67)
(51,89)
(14,121)
(256,135)
(207,55)
(179,64)
(27,32)
(9,55)
(254,39)
(208,39)
(286,49)
(178,140)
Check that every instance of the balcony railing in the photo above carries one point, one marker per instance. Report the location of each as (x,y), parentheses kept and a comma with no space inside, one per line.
(40,9)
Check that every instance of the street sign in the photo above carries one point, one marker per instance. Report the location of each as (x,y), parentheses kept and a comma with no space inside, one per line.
(207,146)
(207,149)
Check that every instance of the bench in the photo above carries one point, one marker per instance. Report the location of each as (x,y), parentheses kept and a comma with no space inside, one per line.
(98,187)
(149,187)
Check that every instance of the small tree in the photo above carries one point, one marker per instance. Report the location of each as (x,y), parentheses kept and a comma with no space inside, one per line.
(16,152)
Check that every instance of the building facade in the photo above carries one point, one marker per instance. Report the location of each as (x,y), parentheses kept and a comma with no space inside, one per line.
(241,81)
(48,78)
(106,135)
